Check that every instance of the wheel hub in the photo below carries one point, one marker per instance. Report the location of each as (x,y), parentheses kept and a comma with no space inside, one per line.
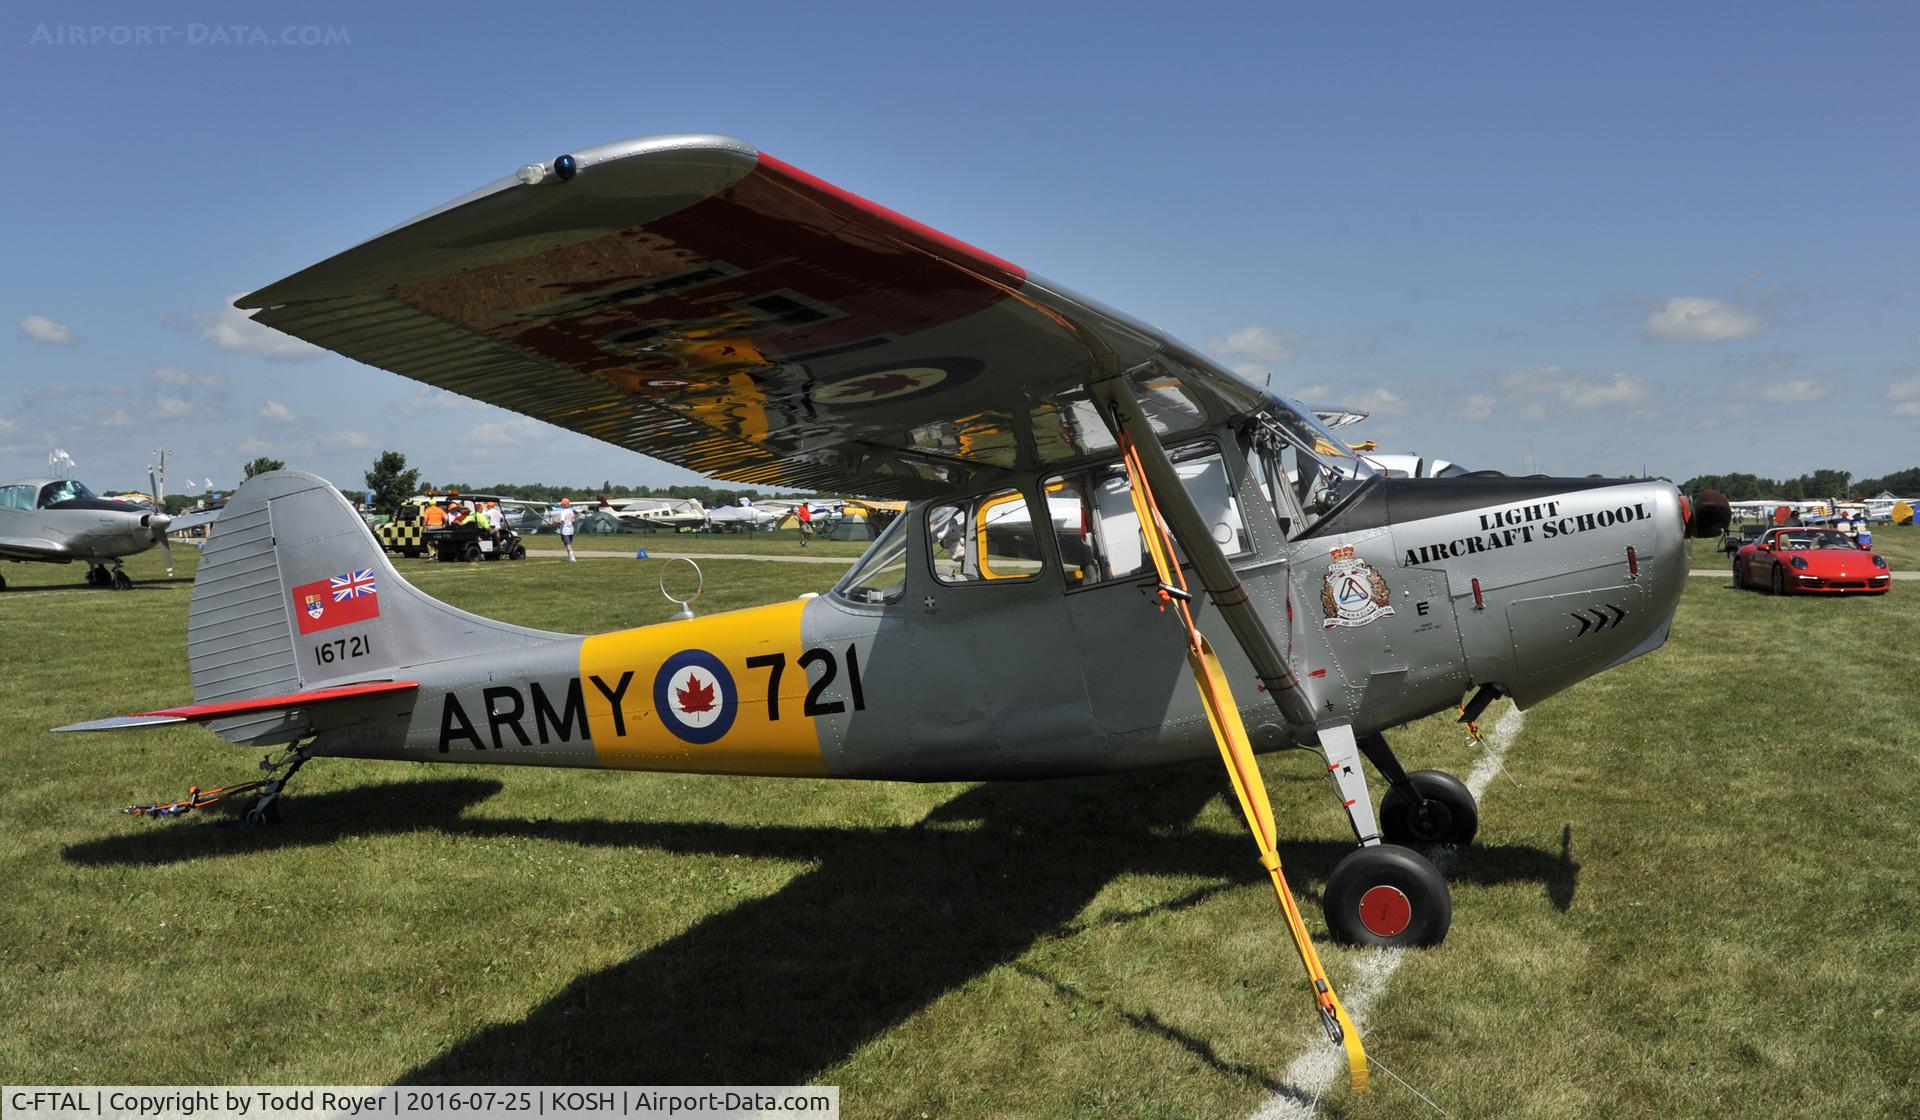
(1431,820)
(1385,911)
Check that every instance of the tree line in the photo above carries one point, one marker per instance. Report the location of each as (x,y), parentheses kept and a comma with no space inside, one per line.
(392,483)
(1817,486)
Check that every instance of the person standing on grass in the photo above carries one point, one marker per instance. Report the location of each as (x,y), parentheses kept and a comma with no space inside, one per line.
(566,529)
(805,517)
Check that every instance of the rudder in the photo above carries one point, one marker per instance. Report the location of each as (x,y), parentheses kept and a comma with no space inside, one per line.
(294,593)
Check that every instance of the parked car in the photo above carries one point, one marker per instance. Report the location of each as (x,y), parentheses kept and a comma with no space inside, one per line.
(1732,543)
(1826,561)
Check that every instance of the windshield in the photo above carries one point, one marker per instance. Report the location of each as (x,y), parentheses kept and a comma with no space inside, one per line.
(65,490)
(1801,539)
(1305,464)
(881,575)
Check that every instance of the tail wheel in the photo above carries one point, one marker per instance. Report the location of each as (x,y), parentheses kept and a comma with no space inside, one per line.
(1388,897)
(1779,581)
(1444,812)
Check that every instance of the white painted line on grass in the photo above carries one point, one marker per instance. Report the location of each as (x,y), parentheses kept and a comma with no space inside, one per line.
(1308,1077)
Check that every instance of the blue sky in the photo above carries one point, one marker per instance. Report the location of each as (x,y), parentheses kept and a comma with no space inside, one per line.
(1678,236)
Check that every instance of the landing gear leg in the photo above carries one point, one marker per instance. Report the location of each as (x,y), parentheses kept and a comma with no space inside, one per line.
(97,576)
(266,807)
(1382,895)
(1425,808)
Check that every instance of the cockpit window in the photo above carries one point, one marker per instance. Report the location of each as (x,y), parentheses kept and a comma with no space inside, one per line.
(881,575)
(1098,530)
(1305,468)
(985,538)
(65,490)
(16,497)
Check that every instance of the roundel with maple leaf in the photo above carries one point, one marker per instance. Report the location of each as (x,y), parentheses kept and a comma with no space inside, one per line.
(694,694)
(885,383)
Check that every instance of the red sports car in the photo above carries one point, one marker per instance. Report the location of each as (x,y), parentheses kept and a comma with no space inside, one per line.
(1812,560)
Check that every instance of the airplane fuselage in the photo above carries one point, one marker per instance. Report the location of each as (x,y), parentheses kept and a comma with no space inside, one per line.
(1392,607)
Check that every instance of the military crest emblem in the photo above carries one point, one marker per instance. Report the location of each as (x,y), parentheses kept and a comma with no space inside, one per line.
(315,606)
(1353,594)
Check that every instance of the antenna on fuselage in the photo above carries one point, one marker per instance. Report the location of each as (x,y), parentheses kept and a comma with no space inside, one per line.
(686,605)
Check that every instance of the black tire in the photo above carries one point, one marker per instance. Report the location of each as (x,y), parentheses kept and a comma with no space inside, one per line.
(1388,897)
(1779,580)
(470,553)
(1739,577)
(122,581)
(519,552)
(1445,815)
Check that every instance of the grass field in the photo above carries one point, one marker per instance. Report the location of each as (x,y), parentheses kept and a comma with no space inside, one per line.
(1695,902)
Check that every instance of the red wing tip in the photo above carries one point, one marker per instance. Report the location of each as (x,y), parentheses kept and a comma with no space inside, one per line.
(925,236)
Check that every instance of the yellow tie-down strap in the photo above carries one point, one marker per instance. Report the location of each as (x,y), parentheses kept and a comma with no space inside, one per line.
(1237,752)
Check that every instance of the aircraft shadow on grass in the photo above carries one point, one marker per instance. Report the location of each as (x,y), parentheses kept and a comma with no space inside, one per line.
(888,920)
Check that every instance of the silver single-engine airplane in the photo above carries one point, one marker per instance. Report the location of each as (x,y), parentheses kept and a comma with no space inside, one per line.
(59,521)
(1069,470)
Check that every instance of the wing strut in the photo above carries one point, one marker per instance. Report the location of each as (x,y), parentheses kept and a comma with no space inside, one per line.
(1222,714)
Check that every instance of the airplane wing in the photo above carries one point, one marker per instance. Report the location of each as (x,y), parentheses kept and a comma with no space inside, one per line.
(33,548)
(694,299)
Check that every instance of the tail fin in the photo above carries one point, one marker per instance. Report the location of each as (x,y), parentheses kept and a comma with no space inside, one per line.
(294,593)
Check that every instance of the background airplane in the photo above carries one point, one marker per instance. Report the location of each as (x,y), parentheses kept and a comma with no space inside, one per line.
(60,521)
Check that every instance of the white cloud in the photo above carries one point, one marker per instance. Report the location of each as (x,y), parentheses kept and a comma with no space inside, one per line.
(347,439)
(1699,319)
(1374,402)
(1908,390)
(42,329)
(167,407)
(277,413)
(1256,343)
(1538,392)
(1799,390)
(1477,406)
(233,329)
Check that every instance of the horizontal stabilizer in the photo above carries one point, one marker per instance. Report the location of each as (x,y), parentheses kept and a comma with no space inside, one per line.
(194,519)
(200,713)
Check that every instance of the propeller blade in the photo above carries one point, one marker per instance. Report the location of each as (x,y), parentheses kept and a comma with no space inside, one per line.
(166,546)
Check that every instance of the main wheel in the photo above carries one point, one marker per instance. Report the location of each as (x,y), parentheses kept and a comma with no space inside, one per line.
(1388,897)
(1779,581)
(122,581)
(1445,813)
(98,577)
